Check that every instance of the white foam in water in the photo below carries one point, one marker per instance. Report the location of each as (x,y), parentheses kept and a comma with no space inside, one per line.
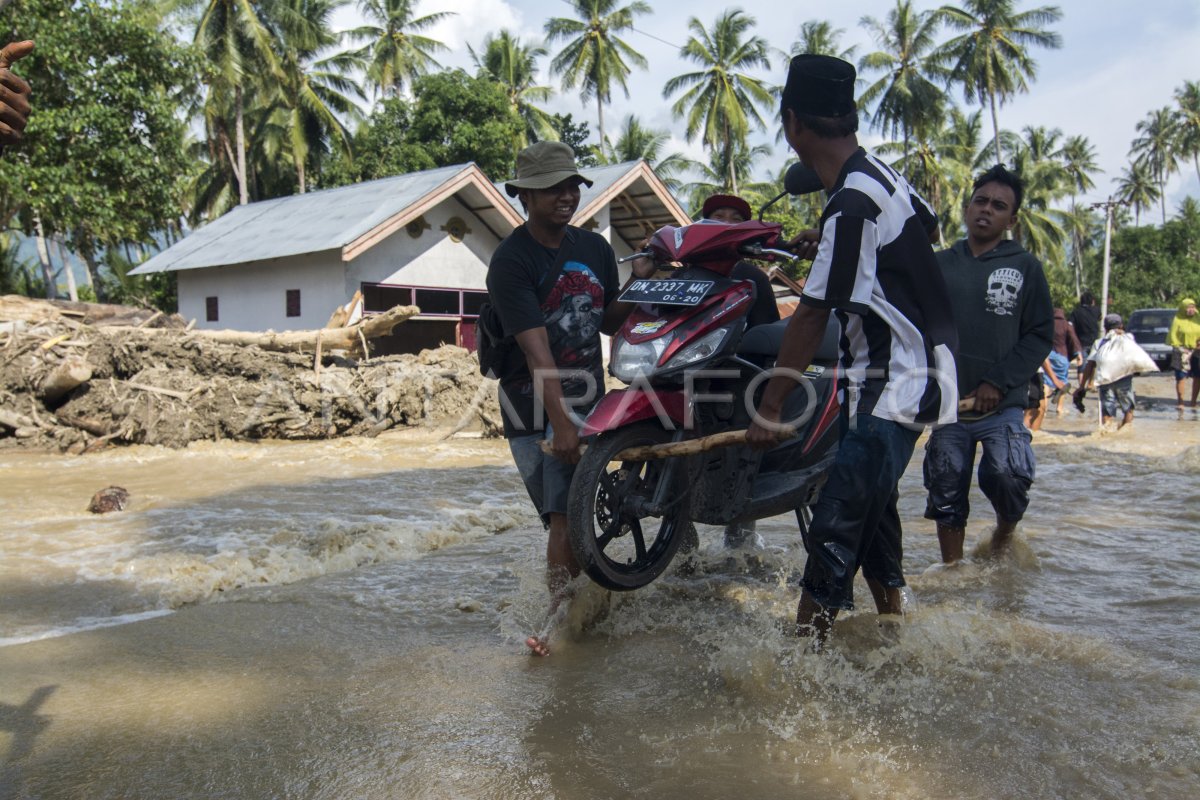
(83,624)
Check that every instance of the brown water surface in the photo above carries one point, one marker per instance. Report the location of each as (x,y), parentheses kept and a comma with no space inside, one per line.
(343,619)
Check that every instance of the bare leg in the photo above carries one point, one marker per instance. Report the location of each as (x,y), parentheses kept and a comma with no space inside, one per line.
(1002,536)
(887,598)
(1038,416)
(951,541)
(813,619)
(561,567)
(1128,418)
(1179,394)
(1195,390)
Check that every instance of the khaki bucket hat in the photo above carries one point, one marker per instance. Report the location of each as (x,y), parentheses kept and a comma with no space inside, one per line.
(542,165)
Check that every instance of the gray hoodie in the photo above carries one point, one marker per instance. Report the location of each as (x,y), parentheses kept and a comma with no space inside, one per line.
(1005,319)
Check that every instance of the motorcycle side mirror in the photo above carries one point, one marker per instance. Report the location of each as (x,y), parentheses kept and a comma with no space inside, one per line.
(798,180)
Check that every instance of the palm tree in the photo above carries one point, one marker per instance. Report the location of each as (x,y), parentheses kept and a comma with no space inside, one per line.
(1079,160)
(1157,148)
(636,141)
(312,94)
(991,58)
(941,166)
(726,172)
(1187,97)
(818,37)
(237,44)
(595,58)
(720,101)
(1039,226)
(905,95)
(395,53)
(514,66)
(1137,188)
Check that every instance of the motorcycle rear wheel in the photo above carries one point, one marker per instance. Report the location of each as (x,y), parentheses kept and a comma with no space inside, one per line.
(608,531)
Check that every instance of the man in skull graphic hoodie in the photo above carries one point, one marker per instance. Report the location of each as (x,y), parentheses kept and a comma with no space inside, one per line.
(1005,323)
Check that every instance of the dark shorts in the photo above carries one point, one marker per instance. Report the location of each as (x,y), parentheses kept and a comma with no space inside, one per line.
(546,478)
(855,522)
(1191,368)
(1037,391)
(1006,469)
(1117,397)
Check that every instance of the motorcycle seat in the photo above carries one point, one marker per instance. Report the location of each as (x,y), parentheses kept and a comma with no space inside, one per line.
(765,340)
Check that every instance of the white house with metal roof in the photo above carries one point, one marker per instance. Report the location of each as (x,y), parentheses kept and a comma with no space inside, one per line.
(424,239)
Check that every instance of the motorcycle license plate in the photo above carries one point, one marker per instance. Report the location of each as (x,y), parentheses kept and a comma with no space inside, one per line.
(666,292)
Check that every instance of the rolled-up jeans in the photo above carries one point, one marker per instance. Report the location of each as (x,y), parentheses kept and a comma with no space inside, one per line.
(855,521)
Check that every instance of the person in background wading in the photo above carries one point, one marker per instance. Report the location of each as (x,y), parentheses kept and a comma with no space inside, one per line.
(1183,337)
(558,369)
(733,209)
(876,270)
(1116,397)
(1085,321)
(1005,322)
(1065,352)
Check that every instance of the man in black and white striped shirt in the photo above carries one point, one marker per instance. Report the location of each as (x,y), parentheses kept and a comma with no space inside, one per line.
(874,267)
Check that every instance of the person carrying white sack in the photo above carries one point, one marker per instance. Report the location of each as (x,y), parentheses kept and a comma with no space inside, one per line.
(1111,365)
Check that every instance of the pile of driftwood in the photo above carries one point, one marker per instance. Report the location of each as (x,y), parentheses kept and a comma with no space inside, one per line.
(77,376)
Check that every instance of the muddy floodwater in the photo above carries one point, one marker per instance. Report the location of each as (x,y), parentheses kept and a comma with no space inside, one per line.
(343,619)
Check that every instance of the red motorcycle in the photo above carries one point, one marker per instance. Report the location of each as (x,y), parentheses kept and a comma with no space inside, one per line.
(694,370)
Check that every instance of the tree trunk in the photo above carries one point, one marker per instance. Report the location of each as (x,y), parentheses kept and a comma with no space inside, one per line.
(348,338)
(996,129)
(72,289)
(600,120)
(300,173)
(243,192)
(1162,196)
(44,257)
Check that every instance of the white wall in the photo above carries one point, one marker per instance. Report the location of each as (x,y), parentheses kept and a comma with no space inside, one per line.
(432,260)
(253,297)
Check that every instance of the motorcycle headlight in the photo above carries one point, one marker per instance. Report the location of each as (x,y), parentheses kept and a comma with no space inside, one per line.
(633,361)
(698,350)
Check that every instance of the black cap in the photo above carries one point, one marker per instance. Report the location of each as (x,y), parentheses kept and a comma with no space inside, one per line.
(822,86)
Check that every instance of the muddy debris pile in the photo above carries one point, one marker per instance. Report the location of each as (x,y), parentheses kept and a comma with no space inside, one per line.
(78,376)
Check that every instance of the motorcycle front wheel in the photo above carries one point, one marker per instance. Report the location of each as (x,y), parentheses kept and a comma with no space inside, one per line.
(615,539)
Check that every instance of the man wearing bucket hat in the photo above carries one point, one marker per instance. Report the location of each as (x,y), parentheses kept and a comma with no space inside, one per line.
(874,268)
(554,287)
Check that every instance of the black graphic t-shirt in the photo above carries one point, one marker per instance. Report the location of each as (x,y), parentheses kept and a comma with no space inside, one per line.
(571,315)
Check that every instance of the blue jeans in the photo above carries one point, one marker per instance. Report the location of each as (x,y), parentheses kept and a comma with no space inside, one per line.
(1117,398)
(1005,471)
(855,522)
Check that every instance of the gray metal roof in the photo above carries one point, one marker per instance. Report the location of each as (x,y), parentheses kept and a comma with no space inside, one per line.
(305,223)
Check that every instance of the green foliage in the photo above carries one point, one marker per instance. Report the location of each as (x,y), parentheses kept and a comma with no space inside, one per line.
(453,118)
(395,53)
(1152,267)
(576,135)
(104,160)
(158,290)
(594,57)
(720,101)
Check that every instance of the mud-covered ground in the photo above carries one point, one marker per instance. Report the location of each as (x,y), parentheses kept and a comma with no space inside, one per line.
(151,381)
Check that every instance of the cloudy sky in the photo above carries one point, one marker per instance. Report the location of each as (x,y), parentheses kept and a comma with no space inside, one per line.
(1119,61)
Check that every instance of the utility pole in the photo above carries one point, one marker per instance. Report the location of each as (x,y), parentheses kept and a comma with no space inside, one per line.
(1108,206)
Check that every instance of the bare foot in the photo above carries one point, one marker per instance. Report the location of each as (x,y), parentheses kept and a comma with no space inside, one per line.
(537,647)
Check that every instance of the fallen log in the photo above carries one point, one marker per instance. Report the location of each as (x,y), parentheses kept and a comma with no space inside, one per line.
(349,338)
(68,374)
(94,427)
